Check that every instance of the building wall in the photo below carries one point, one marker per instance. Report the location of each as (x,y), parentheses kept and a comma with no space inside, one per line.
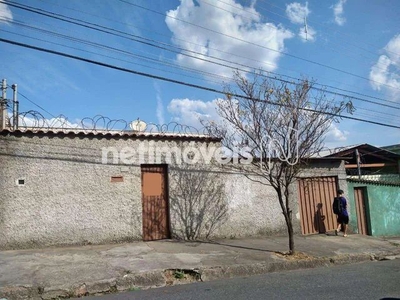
(234,205)
(68,196)
(253,208)
(382,206)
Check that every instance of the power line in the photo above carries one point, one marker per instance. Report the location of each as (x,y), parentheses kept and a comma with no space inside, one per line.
(230,53)
(34,103)
(130,54)
(155,44)
(183,83)
(133,55)
(261,46)
(325,26)
(354,56)
(108,48)
(143,57)
(322,89)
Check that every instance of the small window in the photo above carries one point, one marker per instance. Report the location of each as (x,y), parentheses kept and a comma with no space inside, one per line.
(20,182)
(117,179)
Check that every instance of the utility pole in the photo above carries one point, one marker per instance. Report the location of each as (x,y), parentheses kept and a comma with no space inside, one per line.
(3,105)
(15,107)
(358,164)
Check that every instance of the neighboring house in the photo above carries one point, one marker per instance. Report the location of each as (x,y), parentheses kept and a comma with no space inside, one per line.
(365,159)
(373,189)
(69,187)
(393,148)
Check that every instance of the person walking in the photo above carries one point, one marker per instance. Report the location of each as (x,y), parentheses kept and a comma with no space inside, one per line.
(340,209)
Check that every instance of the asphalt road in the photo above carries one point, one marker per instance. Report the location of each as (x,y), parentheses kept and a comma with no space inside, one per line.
(371,280)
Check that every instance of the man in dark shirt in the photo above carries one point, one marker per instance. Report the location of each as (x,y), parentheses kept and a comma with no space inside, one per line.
(343,218)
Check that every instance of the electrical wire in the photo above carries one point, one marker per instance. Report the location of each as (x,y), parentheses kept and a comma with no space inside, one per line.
(322,89)
(352,37)
(124,52)
(34,103)
(355,56)
(184,83)
(142,57)
(261,46)
(153,43)
(229,53)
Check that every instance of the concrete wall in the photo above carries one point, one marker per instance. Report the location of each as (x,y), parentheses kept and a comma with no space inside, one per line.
(253,208)
(234,205)
(382,206)
(68,197)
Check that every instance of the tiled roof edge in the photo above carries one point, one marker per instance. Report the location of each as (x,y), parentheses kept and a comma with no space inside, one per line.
(116,134)
(376,182)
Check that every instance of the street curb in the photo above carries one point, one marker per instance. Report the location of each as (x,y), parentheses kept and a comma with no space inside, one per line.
(159,278)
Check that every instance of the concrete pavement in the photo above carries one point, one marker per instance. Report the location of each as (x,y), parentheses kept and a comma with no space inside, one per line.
(86,270)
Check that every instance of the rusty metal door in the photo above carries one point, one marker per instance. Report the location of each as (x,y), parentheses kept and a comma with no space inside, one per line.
(359,197)
(315,204)
(155,202)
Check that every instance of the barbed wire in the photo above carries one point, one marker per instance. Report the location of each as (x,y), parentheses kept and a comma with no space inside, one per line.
(34,121)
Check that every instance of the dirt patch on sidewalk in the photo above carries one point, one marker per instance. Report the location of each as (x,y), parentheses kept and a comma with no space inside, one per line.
(181,276)
(295,256)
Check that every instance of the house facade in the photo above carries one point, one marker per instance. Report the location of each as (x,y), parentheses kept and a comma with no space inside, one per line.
(373,179)
(76,187)
(376,206)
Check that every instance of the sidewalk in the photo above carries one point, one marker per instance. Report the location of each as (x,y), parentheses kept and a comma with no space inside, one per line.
(76,271)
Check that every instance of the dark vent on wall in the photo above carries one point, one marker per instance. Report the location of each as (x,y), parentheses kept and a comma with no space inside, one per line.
(117,179)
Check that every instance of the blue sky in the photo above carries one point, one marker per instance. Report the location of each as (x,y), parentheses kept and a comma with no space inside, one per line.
(351,45)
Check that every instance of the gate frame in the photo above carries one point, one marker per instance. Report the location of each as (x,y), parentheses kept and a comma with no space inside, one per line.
(366,209)
(328,209)
(166,196)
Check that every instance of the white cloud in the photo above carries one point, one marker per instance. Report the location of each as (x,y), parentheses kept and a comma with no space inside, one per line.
(334,138)
(190,112)
(297,14)
(5,13)
(56,123)
(385,73)
(335,135)
(393,50)
(243,24)
(338,12)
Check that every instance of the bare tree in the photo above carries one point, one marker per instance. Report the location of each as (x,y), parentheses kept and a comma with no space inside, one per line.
(281,123)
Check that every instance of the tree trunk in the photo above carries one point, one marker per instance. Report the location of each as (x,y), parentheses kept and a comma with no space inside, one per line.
(291,235)
(288,219)
(289,225)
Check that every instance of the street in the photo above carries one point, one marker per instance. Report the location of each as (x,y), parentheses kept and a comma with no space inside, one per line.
(370,280)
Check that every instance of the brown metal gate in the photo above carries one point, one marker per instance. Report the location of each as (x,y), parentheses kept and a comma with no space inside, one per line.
(155,202)
(359,196)
(315,201)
